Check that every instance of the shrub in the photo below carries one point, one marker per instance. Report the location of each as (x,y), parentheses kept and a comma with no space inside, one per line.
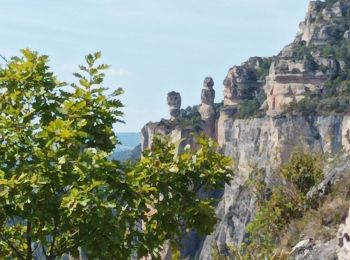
(286,203)
(248,108)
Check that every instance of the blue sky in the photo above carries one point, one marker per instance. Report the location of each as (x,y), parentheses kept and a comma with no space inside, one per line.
(154,46)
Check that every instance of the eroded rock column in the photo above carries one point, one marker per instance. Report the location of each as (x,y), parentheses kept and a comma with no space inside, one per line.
(206,108)
(174,102)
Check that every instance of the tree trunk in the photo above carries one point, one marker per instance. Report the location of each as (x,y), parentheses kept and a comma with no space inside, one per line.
(29,241)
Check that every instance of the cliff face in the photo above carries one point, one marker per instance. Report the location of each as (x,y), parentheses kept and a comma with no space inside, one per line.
(266,143)
(256,127)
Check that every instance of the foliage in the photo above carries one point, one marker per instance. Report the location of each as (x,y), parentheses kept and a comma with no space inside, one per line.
(59,191)
(190,117)
(170,186)
(277,207)
(250,91)
(302,171)
(248,108)
(287,201)
(335,96)
(264,68)
(321,223)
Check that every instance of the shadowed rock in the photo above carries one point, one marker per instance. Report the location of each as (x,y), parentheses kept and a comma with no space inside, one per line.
(174,102)
(206,108)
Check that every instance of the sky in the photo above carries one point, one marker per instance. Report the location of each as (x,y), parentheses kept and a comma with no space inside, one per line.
(153,46)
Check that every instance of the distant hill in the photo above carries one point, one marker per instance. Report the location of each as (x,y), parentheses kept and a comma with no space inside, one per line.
(128,140)
(128,149)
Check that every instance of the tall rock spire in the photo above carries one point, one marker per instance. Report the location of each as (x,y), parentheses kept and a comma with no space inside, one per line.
(174,102)
(206,108)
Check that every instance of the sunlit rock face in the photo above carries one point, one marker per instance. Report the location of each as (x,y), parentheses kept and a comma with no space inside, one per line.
(290,81)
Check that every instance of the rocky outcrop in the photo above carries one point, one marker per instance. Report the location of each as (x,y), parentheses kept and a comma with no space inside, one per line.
(309,249)
(174,103)
(206,108)
(177,128)
(177,134)
(243,82)
(321,22)
(290,81)
(149,131)
(344,240)
(334,249)
(266,143)
(301,69)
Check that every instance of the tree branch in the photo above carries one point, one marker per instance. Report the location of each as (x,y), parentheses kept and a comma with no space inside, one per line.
(19,254)
(53,240)
(29,241)
(3,57)
(44,251)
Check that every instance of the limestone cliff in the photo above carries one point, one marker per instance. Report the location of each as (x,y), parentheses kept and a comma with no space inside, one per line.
(296,100)
(266,143)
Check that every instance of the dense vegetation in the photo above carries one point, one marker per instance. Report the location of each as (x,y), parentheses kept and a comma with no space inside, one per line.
(251,108)
(277,206)
(335,96)
(251,92)
(60,193)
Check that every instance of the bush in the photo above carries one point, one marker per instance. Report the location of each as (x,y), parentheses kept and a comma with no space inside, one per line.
(248,108)
(286,203)
(302,171)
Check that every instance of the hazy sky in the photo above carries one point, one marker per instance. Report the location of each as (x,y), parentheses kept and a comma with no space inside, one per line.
(154,46)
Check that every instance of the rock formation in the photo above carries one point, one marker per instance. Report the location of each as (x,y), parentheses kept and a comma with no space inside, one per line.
(344,240)
(266,143)
(176,128)
(299,71)
(290,81)
(242,82)
(319,27)
(174,103)
(206,108)
(294,74)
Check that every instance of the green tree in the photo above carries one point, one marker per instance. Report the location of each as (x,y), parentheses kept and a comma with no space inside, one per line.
(59,192)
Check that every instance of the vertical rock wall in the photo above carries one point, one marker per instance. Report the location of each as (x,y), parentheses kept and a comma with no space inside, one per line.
(266,143)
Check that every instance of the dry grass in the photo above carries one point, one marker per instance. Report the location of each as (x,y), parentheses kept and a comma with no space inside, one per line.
(322,223)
